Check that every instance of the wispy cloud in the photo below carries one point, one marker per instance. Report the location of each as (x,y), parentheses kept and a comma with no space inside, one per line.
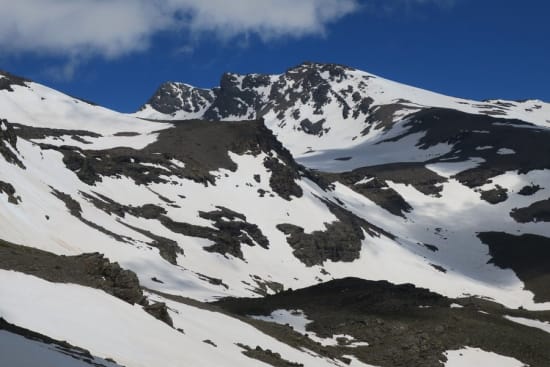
(79,29)
(111,28)
(64,72)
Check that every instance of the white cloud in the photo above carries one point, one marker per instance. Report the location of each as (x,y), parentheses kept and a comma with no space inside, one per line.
(111,28)
(63,72)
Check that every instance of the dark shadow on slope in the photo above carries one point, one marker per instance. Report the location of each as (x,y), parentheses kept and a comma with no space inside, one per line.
(371,182)
(468,132)
(528,255)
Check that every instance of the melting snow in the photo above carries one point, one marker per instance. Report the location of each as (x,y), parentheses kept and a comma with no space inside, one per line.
(470,357)
(542,325)
(506,151)
(298,321)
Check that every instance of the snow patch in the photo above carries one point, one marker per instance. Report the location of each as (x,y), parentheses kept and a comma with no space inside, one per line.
(542,325)
(449,169)
(469,357)
(506,151)
(298,321)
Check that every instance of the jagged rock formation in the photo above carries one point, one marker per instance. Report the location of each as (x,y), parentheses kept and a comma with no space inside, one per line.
(269,183)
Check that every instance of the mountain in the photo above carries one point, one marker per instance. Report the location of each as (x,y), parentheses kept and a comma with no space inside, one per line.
(382,224)
(320,112)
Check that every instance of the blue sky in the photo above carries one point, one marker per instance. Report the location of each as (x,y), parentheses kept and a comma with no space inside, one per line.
(116,53)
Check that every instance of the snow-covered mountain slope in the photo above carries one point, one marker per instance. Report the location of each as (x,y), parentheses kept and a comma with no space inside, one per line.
(124,333)
(432,191)
(424,162)
(314,108)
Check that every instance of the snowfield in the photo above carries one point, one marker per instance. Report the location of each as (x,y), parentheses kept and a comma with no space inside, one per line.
(86,317)
(347,175)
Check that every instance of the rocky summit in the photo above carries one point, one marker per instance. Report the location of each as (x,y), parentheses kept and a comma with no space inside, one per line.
(324,216)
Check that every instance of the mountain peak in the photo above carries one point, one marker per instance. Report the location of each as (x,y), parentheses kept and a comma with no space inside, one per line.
(319,66)
(341,175)
(172,97)
(324,105)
